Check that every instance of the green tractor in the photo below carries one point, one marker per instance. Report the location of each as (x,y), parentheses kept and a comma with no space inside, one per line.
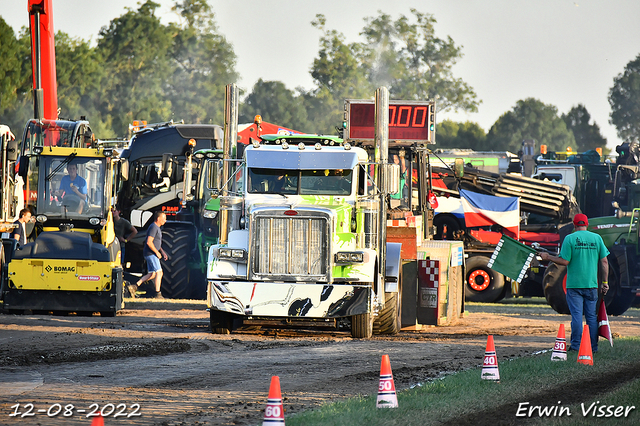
(620,234)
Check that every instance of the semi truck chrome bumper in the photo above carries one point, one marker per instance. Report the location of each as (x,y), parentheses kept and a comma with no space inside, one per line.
(282,299)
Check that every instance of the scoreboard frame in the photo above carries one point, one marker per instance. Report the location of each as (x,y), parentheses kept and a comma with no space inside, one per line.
(410,122)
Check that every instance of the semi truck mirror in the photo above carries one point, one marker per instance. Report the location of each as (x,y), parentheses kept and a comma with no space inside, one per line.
(23,168)
(393,178)
(12,150)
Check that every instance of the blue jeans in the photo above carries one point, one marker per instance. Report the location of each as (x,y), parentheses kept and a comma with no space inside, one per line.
(583,301)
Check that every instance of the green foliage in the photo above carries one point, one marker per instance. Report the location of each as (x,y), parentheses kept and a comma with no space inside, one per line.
(624,98)
(16,104)
(143,69)
(135,49)
(338,76)
(413,62)
(276,104)
(205,64)
(79,77)
(404,55)
(467,135)
(530,119)
(587,135)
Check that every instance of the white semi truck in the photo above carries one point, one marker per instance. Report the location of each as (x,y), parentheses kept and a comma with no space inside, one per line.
(303,233)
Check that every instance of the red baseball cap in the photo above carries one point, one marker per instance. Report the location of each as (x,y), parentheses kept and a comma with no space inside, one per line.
(580,220)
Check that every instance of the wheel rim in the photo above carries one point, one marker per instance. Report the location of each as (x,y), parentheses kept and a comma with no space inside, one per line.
(479,280)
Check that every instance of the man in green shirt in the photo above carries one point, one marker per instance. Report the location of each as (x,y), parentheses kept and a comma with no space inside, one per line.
(581,252)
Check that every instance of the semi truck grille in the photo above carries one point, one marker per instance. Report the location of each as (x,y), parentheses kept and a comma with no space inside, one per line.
(290,248)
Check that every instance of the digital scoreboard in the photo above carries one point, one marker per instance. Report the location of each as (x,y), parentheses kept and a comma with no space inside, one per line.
(409,121)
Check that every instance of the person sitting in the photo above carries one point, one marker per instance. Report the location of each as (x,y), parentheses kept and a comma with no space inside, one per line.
(73,189)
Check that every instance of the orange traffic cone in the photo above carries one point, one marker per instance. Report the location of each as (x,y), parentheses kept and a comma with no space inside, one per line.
(98,421)
(585,355)
(387,397)
(560,348)
(274,412)
(490,364)
(603,323)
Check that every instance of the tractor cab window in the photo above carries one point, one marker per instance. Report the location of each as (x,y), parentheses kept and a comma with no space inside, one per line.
(47,133)
(72,187)
(150,179)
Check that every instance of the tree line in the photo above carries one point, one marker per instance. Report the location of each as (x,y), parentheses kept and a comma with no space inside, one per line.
(140,68)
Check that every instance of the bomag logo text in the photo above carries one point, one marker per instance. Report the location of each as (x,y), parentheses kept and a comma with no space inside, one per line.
(64,269)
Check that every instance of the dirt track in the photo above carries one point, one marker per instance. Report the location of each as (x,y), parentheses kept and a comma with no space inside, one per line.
(161,356)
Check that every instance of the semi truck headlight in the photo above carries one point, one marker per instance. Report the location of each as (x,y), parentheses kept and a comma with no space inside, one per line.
(94,221)
(210,214)
(41,218)
(229,253)
(349,257)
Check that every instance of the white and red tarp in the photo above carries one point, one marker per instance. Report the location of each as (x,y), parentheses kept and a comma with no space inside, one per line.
(487,210)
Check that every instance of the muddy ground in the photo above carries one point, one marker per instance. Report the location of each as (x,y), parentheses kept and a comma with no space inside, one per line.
(161,357)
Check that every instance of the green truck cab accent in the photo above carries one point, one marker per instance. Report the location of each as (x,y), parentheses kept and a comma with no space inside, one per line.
(322,139)
(212,205)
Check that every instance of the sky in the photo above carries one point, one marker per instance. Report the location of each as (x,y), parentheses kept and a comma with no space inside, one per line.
(561,52)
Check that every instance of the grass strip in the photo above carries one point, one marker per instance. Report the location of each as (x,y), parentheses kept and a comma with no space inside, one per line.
(536,381)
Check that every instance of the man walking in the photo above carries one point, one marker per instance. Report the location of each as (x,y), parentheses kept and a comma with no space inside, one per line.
(152,253)
(581,252)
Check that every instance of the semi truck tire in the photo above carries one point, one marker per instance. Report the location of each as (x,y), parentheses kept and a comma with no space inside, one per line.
(554,282)
(388,320)
(220,322)
(362,326)
(176,242)
(482,284)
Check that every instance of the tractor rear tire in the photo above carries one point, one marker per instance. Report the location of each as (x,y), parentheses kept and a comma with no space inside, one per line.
(617,299)
(362,326)
(482,284)
(175,279)
(554,282)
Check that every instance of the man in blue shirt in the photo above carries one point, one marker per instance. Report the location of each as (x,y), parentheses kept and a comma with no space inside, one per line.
(73,188)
